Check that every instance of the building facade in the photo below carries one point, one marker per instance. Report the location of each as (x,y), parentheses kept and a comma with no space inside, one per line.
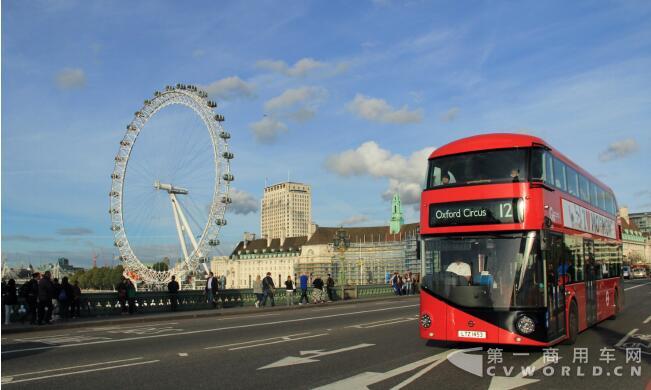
(636,244)
(369,256)
(286,210)
(642,221)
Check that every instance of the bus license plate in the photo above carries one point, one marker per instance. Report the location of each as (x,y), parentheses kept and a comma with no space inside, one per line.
(472,334)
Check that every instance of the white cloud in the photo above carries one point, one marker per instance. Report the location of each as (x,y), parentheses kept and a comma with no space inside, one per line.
(297,104)
(354,220)
(230,88)
(74,231)
(69,78)
(619,149)
(243,202)
(450,115)
(303,67)
(294,96)
(267,129)
(406,175)
(378,110)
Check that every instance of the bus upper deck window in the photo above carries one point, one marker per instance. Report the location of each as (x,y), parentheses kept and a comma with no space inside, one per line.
(537,165)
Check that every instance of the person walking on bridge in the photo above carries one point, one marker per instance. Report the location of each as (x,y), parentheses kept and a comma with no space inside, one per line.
(268,289)
(173,290)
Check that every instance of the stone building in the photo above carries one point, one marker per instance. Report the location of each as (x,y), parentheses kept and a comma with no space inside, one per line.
(636,244)
(286,210)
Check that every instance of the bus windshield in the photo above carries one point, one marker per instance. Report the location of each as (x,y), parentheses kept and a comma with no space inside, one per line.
(492,166)
(491,271)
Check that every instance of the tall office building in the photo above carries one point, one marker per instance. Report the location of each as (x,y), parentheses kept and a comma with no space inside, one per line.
(286,210)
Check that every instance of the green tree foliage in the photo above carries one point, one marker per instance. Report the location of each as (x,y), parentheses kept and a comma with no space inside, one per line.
(160,266)
(99,278)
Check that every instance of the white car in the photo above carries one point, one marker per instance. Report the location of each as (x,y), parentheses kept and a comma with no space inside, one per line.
(639,273)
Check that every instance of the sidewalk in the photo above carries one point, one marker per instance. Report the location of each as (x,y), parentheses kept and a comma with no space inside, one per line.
(17,327)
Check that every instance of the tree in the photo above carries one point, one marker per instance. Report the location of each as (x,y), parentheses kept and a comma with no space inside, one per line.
(160,266)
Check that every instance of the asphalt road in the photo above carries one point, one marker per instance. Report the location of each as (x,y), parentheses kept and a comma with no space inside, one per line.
(363,345)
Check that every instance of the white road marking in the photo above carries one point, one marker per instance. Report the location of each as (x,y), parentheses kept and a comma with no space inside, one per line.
(73,367)
(9,380)
(284,340)
(381,323)
(212,330)
(623,340)
(417,375)
(256,341)
(647,320)
(183,354)
(365,379)
(293,360)
(508,383)
(61,339)
(241,318)
(118,327)
(639,285)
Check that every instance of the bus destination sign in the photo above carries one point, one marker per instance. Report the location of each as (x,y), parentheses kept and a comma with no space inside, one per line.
(476,212)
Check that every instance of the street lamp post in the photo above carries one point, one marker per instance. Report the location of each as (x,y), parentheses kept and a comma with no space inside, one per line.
(341,242)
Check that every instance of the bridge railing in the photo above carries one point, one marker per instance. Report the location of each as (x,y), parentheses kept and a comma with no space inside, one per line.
(108,304)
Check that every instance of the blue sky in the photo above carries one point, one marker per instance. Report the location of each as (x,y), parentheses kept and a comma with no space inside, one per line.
(349,97)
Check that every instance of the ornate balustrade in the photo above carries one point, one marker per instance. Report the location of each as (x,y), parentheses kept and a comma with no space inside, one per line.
(108,304)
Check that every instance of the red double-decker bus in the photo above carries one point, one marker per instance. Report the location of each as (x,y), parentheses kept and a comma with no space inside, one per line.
(519,244)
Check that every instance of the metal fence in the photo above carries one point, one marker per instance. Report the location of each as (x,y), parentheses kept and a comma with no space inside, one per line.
(107,303)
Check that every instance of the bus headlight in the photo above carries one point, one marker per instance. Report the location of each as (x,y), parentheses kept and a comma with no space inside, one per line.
(525,325)
(425,321)
(520,209)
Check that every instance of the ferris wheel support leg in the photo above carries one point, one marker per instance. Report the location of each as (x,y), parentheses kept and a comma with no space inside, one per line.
(179,230)
(186,226)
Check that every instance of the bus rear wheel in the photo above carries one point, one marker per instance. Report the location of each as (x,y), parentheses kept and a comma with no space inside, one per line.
(573,325)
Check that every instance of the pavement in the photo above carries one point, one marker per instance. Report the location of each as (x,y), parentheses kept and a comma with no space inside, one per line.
(363,344)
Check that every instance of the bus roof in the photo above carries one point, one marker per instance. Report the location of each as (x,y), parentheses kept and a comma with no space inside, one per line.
(505,141)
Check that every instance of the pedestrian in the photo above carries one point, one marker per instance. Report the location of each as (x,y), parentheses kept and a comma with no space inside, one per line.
(9,299)
(303,280)
(55,301)
(45,297)
(289,290)
(76,300)
(131,296)
(257,290)
(211,290)
(317,291)
(330,287)
(395,280)
(122,294)
(268,290)
(222,282)
(173,290)
(65,298)
(29,291)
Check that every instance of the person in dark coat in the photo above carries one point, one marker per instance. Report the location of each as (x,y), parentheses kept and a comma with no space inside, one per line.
(57,291)
(45,297)
(330,286)
(29,291)
(173,290)
(75,311)
(65,298)
(211,289)
(131,296)
(9,299)
(268,289)
(122,294)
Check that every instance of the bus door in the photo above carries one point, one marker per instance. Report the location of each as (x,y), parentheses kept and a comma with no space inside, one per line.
(556,278)
(590,281)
